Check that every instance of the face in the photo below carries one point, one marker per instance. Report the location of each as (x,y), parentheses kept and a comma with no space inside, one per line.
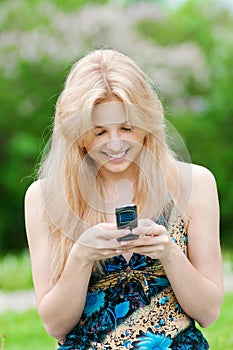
(116,143)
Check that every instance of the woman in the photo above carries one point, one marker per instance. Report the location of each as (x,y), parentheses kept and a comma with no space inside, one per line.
(108,149)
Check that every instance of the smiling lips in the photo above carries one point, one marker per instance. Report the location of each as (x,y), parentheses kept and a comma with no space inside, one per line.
(116,156)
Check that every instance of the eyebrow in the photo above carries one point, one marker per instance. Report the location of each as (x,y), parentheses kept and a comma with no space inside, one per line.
(103,126)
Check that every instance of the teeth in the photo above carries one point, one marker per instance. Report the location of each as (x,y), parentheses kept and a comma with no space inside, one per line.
(116,155)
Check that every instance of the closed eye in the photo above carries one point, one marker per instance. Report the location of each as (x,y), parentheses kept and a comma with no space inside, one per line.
(99,133)
(128,128)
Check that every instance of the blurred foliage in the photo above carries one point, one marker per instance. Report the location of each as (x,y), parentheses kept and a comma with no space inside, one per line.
(29,92)
(27,102)
(208,133)
(66,6)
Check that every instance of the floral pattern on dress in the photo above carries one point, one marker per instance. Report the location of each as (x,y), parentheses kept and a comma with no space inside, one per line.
(151,340)
(190,339)
(94,302)
(132,305)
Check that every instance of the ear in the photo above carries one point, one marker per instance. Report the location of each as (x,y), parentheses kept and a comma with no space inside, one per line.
(82,151)
(145,139)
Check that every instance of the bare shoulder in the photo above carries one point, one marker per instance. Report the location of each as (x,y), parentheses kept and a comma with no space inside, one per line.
(202,179)
(34,208)
(34,197)
(33,192)
(195,176)
(200,172)
(198,188)
(204,196)
(190,173)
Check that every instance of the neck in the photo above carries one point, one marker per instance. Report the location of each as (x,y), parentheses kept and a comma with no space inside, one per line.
(118,191)
(111,180)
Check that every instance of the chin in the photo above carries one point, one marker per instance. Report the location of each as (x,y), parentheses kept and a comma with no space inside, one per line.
(116,169)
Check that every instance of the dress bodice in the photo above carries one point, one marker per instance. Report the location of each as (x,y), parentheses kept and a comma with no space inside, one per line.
(131,305)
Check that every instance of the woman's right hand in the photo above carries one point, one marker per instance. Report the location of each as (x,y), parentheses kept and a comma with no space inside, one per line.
(100,241)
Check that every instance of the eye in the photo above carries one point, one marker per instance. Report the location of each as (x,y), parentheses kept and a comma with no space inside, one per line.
(99,133)
(128,128)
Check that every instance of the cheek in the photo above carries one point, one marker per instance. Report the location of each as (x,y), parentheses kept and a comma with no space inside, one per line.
(140,139)
(94,147)
(88,141)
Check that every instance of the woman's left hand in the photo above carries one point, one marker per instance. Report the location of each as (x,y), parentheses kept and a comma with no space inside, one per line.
(153,241)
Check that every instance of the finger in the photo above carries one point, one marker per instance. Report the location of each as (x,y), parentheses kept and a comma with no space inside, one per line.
(142,231)
(106,225)
(108,253)
(122,234)
(144,241)
(145,222)
(108,234)
(153,230)
(112,232)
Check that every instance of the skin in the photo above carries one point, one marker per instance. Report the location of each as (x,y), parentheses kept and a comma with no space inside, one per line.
(197,282)
(115,137)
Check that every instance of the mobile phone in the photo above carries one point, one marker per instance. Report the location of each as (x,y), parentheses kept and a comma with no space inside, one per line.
(126,217)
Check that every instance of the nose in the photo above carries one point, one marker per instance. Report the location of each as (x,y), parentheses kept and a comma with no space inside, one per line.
(115,145)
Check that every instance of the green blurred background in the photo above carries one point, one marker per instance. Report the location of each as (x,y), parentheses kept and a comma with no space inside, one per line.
(185,47)
(186,50)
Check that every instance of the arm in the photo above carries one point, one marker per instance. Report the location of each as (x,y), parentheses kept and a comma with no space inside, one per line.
(61,305)
(198,284)
(196,279)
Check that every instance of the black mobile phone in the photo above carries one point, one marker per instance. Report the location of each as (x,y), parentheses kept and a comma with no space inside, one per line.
(127,217)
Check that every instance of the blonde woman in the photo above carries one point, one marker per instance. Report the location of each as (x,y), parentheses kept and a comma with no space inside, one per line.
(108,149)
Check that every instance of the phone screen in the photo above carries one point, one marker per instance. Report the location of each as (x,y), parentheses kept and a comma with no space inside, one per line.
(126,217)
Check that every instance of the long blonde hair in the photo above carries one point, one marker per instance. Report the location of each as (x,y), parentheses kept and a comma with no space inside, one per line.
(69,177)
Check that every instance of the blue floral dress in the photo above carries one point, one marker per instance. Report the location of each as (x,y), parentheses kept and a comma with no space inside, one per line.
(132,305)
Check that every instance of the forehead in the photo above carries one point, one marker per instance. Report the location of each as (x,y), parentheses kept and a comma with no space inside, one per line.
(109,113)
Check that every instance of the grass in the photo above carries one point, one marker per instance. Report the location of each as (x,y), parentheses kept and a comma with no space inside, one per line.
(24,331)
(220,334)
(15,272)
